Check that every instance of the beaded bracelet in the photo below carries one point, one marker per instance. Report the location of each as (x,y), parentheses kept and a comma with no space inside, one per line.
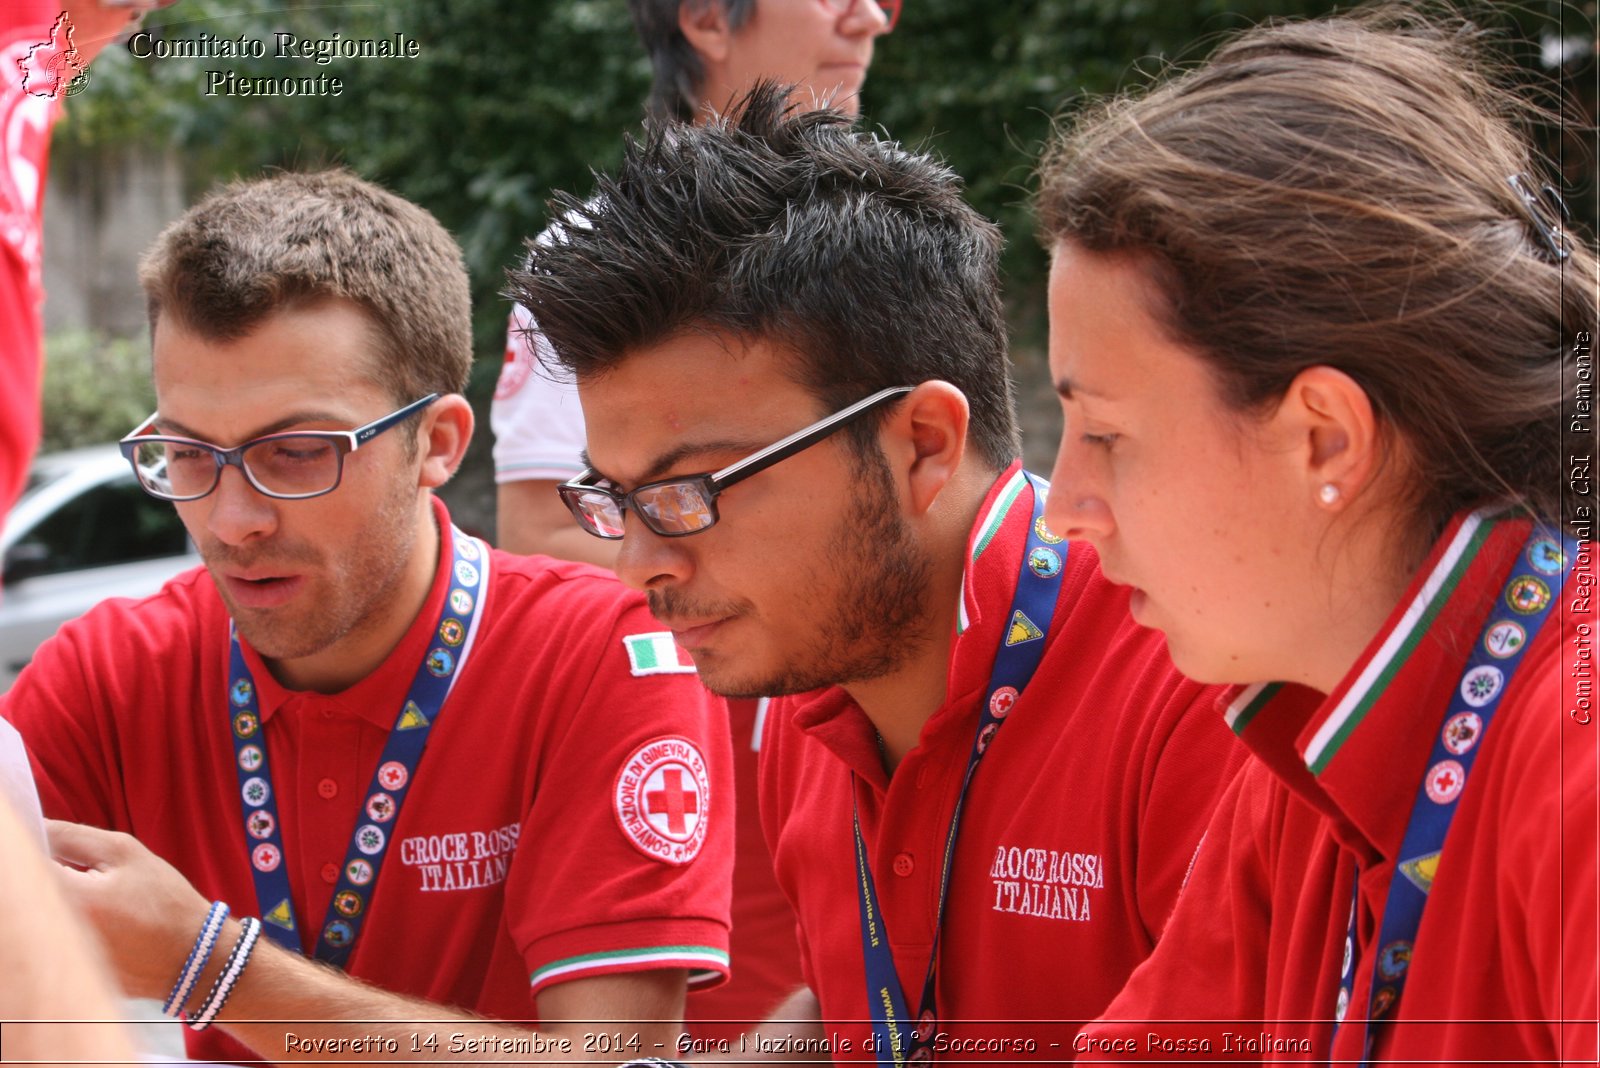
(199,955)
(249,931)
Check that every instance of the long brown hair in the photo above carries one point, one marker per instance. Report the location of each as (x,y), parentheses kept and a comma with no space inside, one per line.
(1335,192)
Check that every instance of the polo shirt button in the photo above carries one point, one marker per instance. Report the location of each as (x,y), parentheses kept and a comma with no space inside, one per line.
(328,789)
(330,873)
(904,865)
(327,713)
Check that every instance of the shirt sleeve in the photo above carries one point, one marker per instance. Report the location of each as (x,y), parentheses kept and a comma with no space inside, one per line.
(633,821)
(536,418)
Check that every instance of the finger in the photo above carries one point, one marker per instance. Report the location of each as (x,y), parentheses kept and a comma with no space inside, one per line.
(84,846)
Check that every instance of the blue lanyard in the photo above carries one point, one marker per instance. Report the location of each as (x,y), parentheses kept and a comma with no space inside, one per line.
(352,897)
(1531,593)
(1022,647)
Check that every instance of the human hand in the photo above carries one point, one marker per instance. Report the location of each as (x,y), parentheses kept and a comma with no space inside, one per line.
(145,911)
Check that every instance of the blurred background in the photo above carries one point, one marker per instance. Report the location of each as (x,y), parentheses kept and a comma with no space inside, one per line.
(509,101)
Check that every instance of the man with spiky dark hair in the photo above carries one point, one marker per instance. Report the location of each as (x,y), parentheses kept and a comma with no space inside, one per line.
(789,343)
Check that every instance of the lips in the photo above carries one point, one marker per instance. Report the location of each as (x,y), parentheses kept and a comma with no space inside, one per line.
(693,635)
(261,590)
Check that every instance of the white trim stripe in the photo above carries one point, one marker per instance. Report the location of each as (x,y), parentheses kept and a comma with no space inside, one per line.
(1397,639)
(986,531)
(715,959)
(1246,697)
(482,564)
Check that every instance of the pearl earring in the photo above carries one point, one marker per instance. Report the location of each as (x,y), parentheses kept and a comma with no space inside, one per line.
(1328,494)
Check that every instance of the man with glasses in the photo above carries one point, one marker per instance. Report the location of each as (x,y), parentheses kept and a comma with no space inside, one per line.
(986,782)
(465,777)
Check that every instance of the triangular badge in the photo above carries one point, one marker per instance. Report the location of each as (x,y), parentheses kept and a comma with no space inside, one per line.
(412,718)
(280,916)
(1421,870)
(1022,630)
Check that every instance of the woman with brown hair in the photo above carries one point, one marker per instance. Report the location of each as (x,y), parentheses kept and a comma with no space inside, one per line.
(1323,347)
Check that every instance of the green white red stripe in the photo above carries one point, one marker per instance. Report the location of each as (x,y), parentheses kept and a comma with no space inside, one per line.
(993,519)
(656,654)
(1419,615)
(705,963)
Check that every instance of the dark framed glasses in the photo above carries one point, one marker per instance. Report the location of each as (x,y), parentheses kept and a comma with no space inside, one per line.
(291,466)
(676,507)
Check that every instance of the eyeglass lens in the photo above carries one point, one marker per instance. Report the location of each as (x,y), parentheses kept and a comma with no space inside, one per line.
(289,466)
(670,508)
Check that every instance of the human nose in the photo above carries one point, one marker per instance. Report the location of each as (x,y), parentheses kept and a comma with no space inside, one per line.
(239,513)
(647,561)
(865,16)
(1077,508)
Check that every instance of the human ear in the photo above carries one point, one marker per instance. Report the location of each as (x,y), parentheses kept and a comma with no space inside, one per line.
(704,24)
(924,439)
(443,436)
(1336,437)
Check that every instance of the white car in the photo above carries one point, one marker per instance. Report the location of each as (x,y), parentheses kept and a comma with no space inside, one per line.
(82,531)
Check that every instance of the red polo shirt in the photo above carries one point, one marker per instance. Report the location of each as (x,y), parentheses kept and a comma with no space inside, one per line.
(1080,824)
(1507,946)
(512,866)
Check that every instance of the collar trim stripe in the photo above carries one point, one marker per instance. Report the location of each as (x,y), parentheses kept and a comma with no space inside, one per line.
(1251,699)
(992,521)
(1397,648)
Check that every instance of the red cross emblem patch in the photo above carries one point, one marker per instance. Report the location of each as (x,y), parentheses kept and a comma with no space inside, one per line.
(662,799)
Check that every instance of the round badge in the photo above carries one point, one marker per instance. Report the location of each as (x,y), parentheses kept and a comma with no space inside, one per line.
(661,799)
(1342,1006)
(1504,639)
(468,548)
(1394,959)
(460,602)
(250,757)
(255,792)
(440,663)
(1046,535)
(1480,685)
(393,775)
(1444,782)
(1001,700)
(347,903)
(1527,595)
(1547,557)
(1383,1000)
(260,824)
(245,724)
(466,574)
(1046,563)
(358,872)
(337,934)
(921,1055)
(239,693)
(266,857)
(380,808)
(1461,732)
(451,632)
(927,1026)
(986,736)
(1348,953)
(370,839)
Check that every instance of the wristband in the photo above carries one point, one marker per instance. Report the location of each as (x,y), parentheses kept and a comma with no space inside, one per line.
(249,931)
(199,955)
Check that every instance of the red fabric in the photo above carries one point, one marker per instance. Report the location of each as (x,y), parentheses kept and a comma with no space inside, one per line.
(125,714)
(765,959)
(1086,809)
(25,121)
(1507,945)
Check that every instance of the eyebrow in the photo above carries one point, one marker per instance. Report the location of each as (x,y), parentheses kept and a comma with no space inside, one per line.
(676,455)
(1070,389)
(177,429)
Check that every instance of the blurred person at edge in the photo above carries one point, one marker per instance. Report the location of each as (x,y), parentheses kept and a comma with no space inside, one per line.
(35,68)
(892,584)
(704,53)
(1322,347)
(432,781)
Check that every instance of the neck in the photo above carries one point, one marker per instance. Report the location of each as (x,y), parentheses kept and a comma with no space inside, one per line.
(368,644)
(901,702)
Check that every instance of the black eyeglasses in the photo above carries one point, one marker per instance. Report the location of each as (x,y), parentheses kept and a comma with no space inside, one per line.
(292,466)
(675,507)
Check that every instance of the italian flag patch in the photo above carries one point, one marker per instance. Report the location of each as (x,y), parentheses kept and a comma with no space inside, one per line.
(656,654)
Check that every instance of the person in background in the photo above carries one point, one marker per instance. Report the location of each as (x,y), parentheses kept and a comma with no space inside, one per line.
(704,53)
(1322,342)
(982,782)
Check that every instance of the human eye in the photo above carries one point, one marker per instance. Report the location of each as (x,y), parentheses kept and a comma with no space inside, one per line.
(298,450)
(1102,441)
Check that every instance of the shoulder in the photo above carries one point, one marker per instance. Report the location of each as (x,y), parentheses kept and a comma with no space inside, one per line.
(172,622)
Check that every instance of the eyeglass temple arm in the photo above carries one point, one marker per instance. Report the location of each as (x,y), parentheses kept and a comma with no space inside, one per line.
(363,434)
(801,439)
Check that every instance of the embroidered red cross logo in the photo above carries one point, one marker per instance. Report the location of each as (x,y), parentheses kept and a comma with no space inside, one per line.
(1446,781)
(673,801)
